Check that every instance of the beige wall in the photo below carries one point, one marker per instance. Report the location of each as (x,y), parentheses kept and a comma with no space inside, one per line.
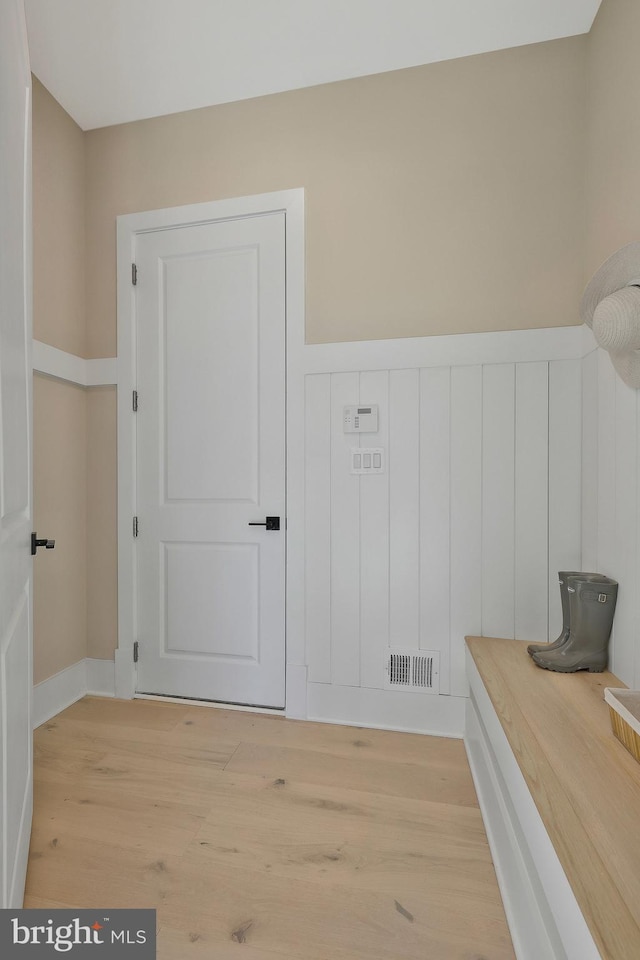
(441,199)
(60,513)
(59,409)
(58,237)
(613,146)
(102,546)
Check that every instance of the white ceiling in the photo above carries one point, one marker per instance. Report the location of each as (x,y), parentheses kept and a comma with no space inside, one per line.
(111,61)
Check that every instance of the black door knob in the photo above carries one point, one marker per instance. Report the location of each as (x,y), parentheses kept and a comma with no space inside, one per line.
(35,543)
(271,523)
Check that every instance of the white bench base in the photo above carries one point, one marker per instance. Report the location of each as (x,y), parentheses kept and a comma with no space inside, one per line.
(543,915)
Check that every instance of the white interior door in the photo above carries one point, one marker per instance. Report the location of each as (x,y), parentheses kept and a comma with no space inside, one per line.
(210,427)
(16,673)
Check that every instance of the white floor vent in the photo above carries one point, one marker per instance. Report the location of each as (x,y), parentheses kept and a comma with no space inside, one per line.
(417,671)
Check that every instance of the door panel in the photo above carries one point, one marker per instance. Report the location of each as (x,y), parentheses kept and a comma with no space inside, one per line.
(211,458)
(210,317)
(203,578)
(17,669)
(16,674)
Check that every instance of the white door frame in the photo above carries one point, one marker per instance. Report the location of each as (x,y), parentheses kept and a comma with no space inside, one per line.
(291,203)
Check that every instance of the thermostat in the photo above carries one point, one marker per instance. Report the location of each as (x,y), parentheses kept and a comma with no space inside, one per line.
(361,419)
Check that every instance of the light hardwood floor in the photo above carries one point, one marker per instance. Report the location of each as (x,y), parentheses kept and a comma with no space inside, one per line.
(257,837)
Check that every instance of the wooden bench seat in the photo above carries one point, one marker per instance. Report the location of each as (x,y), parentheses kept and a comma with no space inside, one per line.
(561,800)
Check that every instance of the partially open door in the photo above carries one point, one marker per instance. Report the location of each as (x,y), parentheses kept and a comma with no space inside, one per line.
(16,673)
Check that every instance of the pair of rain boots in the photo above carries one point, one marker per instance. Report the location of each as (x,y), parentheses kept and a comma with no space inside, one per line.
(588,606)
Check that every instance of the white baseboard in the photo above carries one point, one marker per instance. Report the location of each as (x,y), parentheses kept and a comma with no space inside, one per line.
(58,692)
(101,677)
(543,915)
(438,716)
(328,703)
(55,694)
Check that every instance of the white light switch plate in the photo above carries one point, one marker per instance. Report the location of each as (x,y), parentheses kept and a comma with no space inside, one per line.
(365,460)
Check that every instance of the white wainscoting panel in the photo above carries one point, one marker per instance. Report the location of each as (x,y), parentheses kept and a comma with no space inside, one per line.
(478,507)
(386,709)
(404,508)
(345,538)
(532,555)
(589,487)
(565,493)
(609,552)
(611,500)
(498,500)
(625,531)
(465,584)
(606,433)
(374,542)
(318,527)
(435,511)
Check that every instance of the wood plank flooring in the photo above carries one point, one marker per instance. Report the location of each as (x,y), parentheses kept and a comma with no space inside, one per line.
(257,837)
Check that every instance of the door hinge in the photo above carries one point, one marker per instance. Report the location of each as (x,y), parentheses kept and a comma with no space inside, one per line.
(134,401)
(135,651)
(134,274)
(135,526)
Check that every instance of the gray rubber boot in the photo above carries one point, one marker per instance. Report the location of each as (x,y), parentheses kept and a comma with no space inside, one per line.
(592,604)
(563,576)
